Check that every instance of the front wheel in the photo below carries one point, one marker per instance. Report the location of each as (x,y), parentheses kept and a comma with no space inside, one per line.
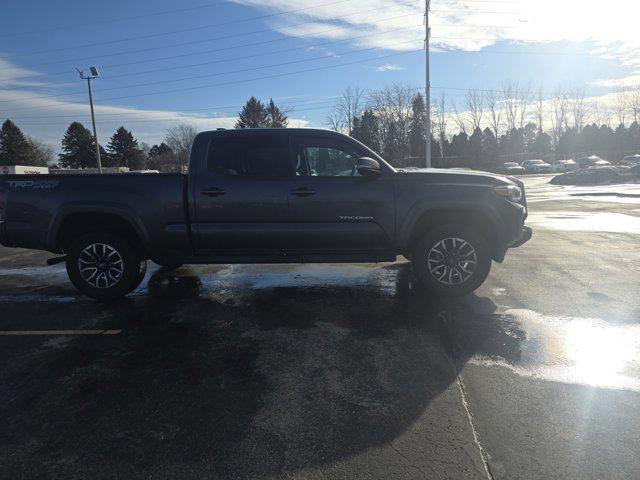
(451,260)
(104,266)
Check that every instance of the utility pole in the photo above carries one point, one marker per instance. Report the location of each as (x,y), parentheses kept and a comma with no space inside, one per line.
(94,75)
(427,90)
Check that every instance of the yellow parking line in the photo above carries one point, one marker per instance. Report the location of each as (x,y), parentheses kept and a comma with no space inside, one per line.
(59,332)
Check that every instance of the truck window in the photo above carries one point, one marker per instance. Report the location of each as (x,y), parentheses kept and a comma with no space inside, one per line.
(324,158)
(256,156)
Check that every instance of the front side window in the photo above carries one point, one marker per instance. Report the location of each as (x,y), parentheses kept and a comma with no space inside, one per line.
(254,156)
(325,158)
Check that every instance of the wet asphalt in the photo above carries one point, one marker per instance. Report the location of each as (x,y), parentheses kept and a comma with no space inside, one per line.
(337,371)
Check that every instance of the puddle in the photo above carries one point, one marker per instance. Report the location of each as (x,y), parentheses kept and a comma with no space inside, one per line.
(567,349)
(587,221)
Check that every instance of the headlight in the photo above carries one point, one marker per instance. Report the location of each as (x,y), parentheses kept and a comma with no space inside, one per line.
(509,192)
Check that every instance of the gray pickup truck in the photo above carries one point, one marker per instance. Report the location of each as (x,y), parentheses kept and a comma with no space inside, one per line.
(268,196)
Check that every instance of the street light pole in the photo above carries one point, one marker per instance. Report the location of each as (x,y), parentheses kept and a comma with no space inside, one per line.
(94,75)
(427,90)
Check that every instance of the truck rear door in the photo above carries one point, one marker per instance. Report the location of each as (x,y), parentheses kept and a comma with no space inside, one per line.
(241,196)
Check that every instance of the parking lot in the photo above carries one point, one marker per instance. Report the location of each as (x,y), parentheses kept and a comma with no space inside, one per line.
(337,371)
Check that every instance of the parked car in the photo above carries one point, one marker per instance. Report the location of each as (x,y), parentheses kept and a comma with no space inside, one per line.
(592,161)
(250,197)
(631,160)
(511,168)
(561,166)
(536,166)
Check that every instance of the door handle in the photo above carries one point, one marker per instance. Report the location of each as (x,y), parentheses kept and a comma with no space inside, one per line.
(213,192)
(302,192)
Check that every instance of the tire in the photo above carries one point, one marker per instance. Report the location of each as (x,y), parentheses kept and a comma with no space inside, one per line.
(443,260)
(105,281)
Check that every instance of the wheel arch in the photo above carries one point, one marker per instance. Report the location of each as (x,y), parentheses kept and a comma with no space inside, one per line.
(75,221)
(476,217)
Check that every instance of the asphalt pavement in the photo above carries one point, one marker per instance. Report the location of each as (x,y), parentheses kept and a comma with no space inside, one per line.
(337,371)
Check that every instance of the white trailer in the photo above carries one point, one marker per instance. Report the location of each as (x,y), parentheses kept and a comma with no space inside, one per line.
(23,170)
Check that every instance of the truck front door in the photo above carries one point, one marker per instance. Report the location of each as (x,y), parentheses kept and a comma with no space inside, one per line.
(241,197)
(334,210)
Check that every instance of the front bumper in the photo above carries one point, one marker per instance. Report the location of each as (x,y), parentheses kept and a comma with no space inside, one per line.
(525,236)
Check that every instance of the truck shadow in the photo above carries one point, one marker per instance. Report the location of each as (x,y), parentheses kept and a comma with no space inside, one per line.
(240,382)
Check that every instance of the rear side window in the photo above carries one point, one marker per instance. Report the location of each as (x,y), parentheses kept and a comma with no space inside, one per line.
(252,156)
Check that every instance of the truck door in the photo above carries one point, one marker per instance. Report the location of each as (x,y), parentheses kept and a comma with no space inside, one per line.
(241,196)
(331,207)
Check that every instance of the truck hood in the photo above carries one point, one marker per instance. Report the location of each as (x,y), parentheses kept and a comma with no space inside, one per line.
(454,176)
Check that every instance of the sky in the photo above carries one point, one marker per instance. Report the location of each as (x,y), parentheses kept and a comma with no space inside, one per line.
(198,61)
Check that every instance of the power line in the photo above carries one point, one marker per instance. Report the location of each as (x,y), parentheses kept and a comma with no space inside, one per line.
(115,20)
(173,32)
(225,37)
(194,77)
(242,20)
(266,77)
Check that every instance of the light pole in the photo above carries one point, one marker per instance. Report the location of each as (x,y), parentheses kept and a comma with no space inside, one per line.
(94,74)
(427,89)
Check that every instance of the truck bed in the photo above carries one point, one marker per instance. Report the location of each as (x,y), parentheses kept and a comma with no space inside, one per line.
(32,207)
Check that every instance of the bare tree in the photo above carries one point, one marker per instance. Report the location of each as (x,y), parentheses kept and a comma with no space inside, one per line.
(510,96)
(634,103)
(180,138)
(350,105)
(523,100)
(540,110)
(621,105)
(475,107)
(43,155)
(393,108)
(458,118)
(576,101)
(516,100)
(495,111)
(559,117)
(441,120)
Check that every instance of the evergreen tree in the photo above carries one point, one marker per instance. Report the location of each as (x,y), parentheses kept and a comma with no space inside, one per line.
(417,129)
(489,148)
(15,149)
(275,117)
(460,148)
(158,150)
(392,145)
(542,144)
(252,115)
(123,150)
(475,146)
(78,148)
(365,130)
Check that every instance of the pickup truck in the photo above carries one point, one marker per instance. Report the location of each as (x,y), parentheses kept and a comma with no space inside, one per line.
(268,196)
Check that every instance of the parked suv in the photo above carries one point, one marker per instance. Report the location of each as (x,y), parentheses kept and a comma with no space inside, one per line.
(268,196)
(536,166)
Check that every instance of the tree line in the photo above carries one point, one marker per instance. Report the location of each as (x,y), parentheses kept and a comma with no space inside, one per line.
(481,129)
(489,127)
(122,148)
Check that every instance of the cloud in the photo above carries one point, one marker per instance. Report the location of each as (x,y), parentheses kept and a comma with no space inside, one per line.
(467,25)
(14,76)
(389,67)
(47,118)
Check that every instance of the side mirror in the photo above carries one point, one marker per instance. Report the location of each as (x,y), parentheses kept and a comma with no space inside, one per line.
(368,167)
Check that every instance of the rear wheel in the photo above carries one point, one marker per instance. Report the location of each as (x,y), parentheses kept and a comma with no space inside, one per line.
(451,260)
(104,266)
